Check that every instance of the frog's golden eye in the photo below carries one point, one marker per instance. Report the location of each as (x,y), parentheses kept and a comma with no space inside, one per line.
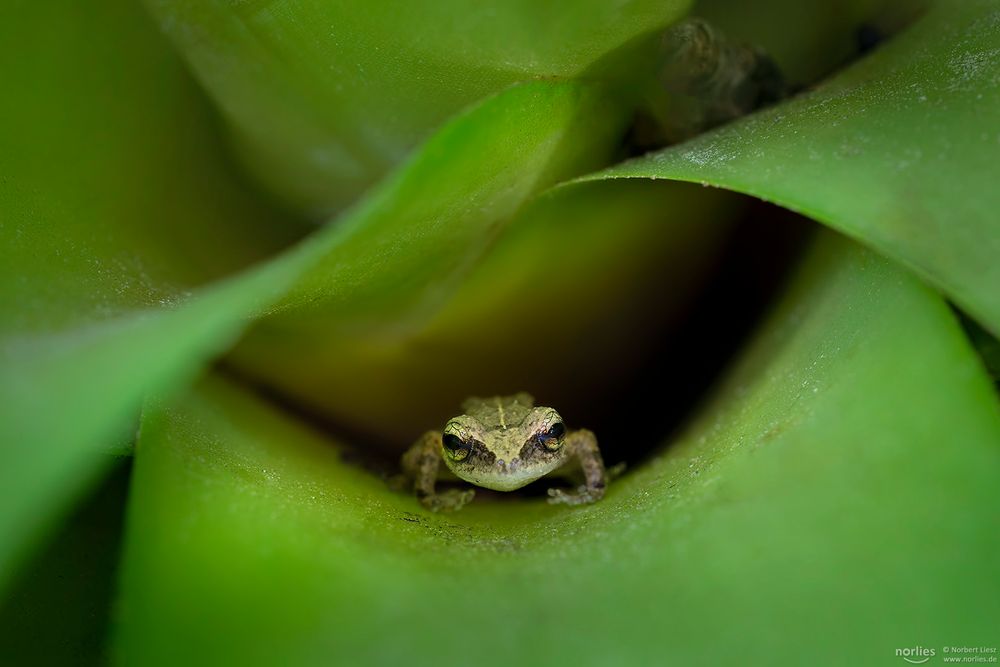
(552,438)
(457,449)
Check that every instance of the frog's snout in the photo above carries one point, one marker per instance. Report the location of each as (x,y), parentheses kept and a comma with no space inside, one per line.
(513,465)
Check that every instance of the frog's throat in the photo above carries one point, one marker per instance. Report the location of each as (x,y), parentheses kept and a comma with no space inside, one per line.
(501,475)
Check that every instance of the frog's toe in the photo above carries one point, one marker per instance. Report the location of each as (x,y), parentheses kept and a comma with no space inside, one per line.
(398,482)
(557,496)
(448,501)
(616,471)
(584,496)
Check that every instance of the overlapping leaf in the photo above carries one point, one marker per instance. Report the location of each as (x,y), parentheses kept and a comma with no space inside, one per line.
(99,308)
(324,98)
(899,151)
(812,494)
(116,204)
(557,287)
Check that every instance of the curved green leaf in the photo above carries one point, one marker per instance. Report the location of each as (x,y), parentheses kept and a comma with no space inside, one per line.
(324,98)
(59,610)
(106,291)
(116,204)
(570,278)
(899,152)
(429,220)
(845,476)
(808,40)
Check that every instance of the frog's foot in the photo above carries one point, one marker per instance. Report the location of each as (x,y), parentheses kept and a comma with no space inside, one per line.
(616,471)
(448,501)
(398,482)
(581,497)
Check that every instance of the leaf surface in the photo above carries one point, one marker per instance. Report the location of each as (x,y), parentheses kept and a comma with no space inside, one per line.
(127,236)
(325,98)
(844,476)
(898,151)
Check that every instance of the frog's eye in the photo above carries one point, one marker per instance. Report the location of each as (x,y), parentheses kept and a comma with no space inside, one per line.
(456,448)
(552,438)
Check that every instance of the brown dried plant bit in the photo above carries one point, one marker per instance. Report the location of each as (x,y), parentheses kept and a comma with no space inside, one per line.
(706,80)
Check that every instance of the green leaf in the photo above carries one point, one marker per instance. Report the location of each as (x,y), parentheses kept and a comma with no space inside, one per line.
(324,98)
(591,273)
(106,294)
(117,204)
(428,221)
(66,395)
(844,476)
(899,152)
(808,40)
(59,610)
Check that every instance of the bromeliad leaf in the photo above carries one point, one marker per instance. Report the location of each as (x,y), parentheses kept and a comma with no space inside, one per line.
(899,152)
(117,204)
(251,539)
(99,306)
(324,98)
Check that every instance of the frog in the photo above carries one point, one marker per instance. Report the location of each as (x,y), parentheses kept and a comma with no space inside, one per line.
(504,443)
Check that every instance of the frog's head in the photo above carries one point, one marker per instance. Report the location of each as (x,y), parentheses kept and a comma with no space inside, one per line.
(502,447)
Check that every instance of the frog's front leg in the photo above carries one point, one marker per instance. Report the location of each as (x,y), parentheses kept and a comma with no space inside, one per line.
(421,463)
(582,446)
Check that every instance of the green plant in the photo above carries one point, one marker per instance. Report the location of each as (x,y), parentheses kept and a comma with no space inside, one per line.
(835,498)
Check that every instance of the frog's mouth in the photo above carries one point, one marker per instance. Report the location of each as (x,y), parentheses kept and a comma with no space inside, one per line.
(503,478)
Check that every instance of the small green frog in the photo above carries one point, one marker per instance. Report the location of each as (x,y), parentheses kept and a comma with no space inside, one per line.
(504,443)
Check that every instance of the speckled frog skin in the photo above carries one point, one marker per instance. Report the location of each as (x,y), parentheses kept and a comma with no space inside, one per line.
(503,443)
